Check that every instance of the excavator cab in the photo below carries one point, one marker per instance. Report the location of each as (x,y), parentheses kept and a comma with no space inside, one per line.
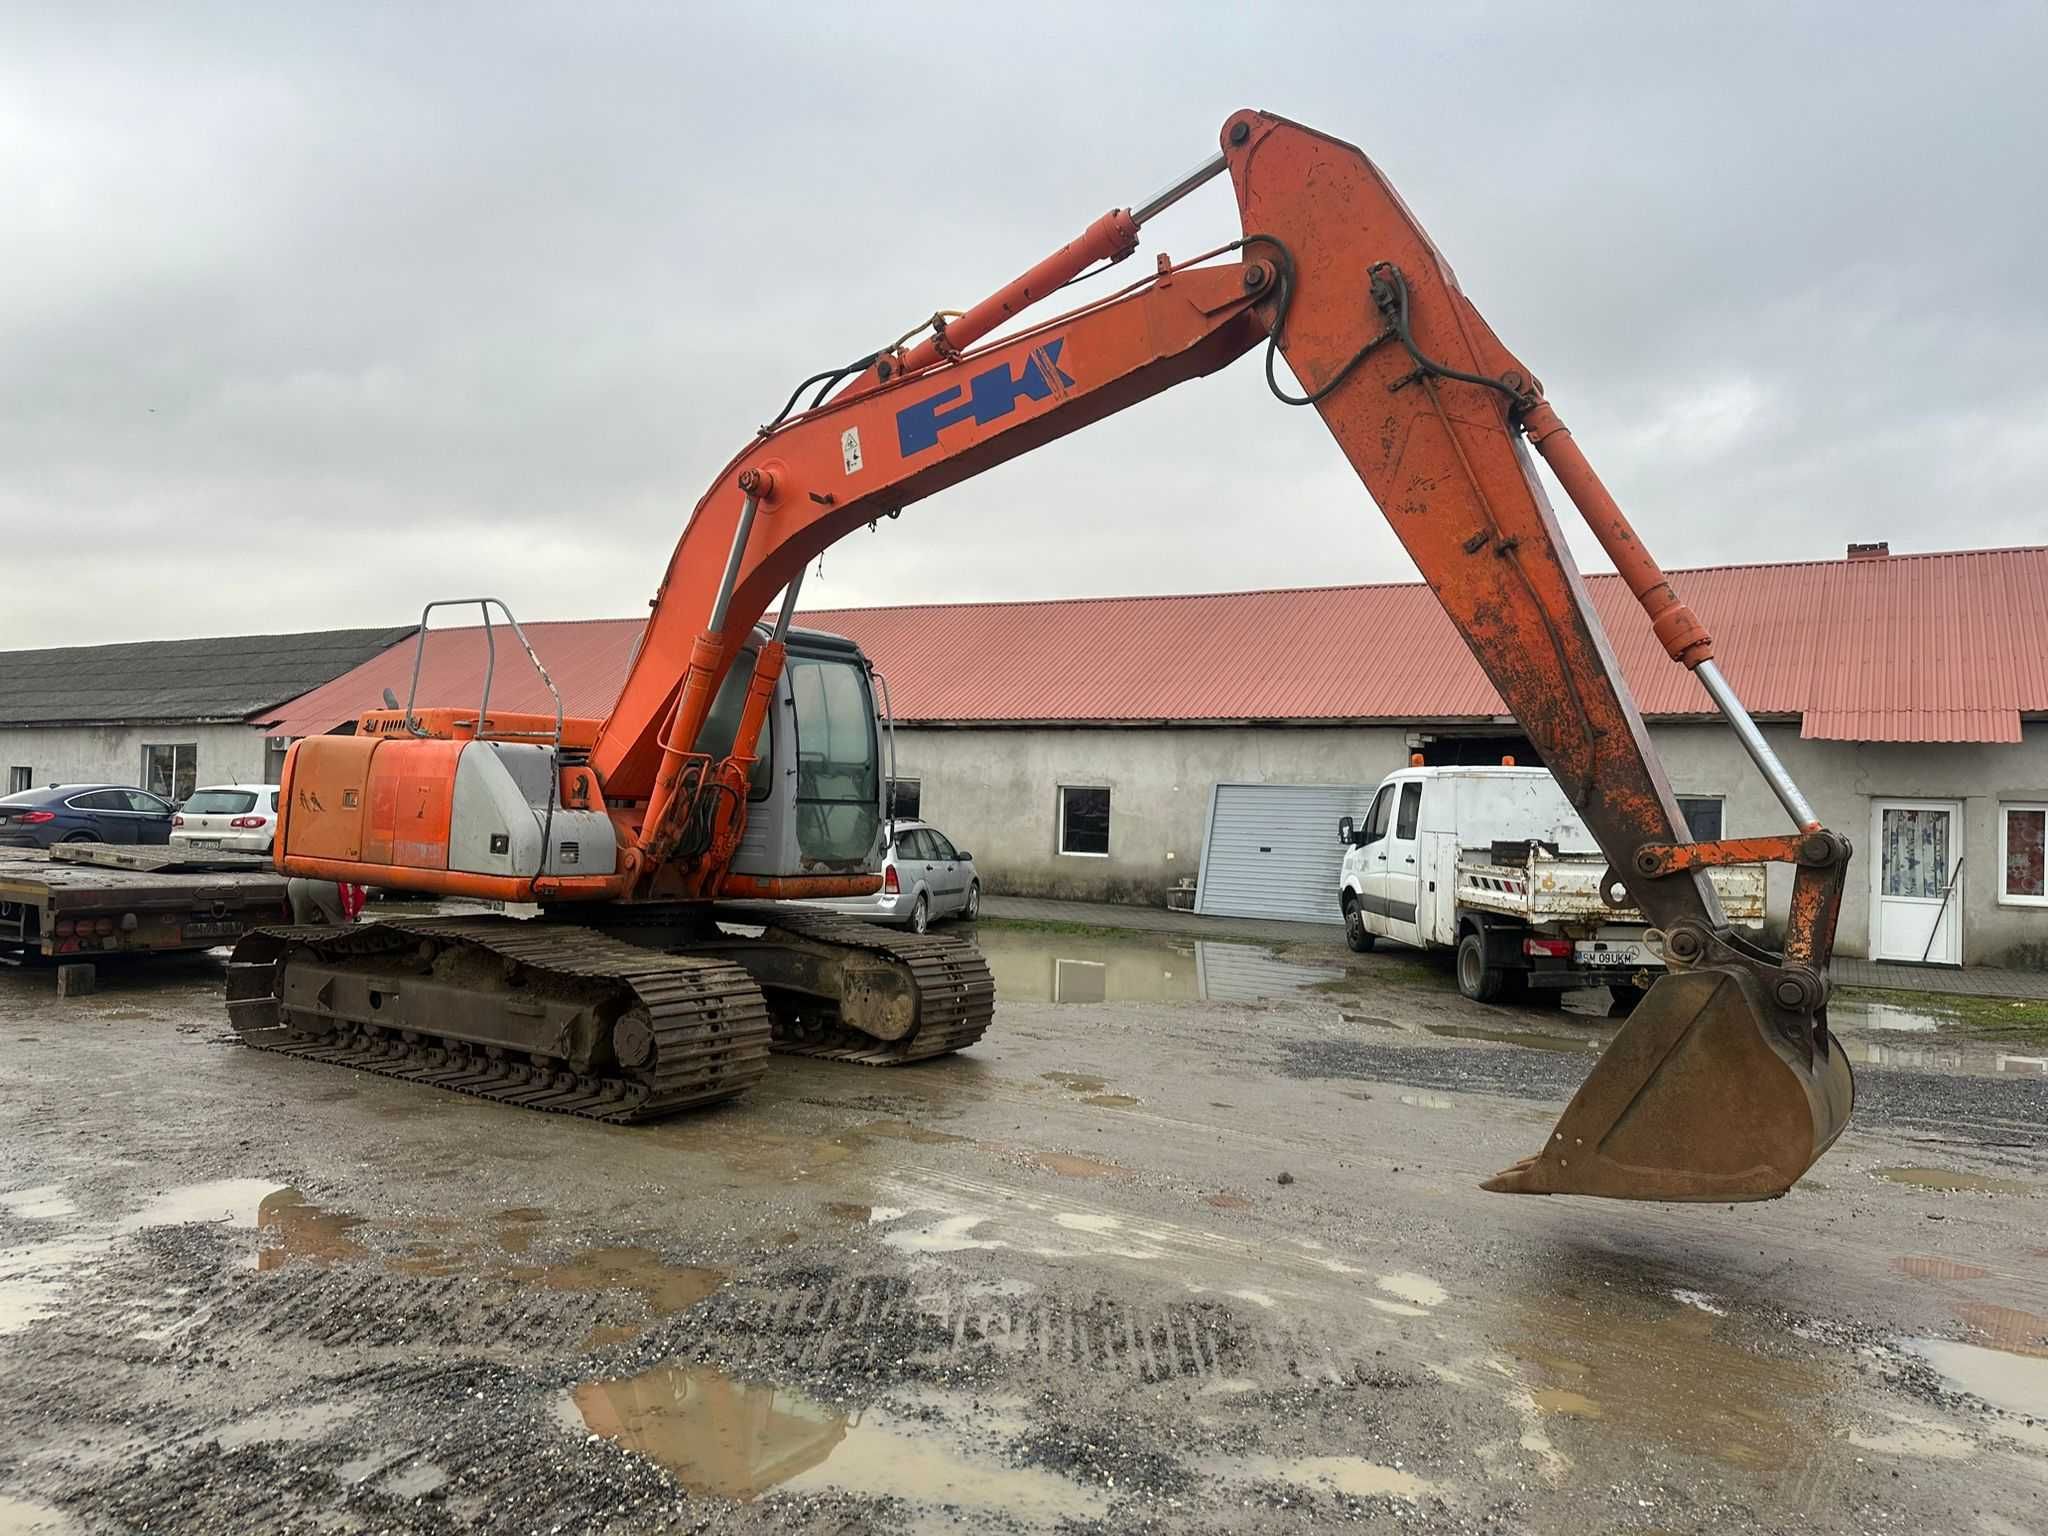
(814,794)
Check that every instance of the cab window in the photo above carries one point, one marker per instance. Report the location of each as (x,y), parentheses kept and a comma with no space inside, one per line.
(1409,814)
(1376,822)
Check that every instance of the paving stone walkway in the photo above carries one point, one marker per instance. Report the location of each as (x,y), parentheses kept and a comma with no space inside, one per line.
(1969,981)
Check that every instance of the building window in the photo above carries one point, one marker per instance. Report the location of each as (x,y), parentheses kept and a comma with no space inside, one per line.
(19,779)
(1084,820)
(904,797)
(2022,840)
(171,771)
(1702,816)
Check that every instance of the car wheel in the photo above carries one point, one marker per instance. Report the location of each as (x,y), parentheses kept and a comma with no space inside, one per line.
(83,837)
(1479,981)
(972,910)
(920,914)
(1356,934)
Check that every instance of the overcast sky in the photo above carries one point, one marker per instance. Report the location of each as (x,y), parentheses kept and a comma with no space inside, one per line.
(310,313)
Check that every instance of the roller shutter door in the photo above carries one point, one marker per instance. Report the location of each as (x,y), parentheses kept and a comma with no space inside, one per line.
(1272,850)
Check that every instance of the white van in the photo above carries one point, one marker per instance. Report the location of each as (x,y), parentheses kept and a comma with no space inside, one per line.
(1495,864)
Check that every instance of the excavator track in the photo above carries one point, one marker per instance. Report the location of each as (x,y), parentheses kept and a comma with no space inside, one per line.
(955,992)
(706,1023)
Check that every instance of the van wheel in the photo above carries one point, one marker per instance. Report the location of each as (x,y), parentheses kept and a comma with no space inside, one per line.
(1479,981)
(1356,934)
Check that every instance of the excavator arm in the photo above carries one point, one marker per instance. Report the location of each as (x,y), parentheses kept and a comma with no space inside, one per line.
(1725,1084)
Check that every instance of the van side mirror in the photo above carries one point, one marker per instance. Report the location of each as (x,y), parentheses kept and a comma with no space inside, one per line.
(1345,831)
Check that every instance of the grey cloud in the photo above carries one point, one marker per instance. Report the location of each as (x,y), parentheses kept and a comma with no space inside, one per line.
(421,300)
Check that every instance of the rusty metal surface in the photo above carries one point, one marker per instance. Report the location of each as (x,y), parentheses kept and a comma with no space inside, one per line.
(1564,889)
(1847,645)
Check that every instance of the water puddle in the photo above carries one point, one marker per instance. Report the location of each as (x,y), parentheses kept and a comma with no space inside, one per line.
(952,1234)
(281,1426)
(1110,1100)
(1227,1202)
(519,1226)
(2016,1383)
(736,1440)
(43,1203)
(1352,1476)
(1418,1289)
(301,1231)
(1662,1372)
(904,1130)
(1954,1181)
(1920,1439)
(25,1517)
(1068,1166)
(1075,1081)
(1036,967)
(1524,1038)
(1426,1101)
(667,1288)
(2008,1328)
(1928,1267)
(219,1202)
(33,1276)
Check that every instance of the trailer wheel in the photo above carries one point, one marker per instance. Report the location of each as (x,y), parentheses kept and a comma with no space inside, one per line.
(1479,981)
(1356,934)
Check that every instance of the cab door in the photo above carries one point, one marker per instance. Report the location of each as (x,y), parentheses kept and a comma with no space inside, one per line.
(1402,868)
(1372,852)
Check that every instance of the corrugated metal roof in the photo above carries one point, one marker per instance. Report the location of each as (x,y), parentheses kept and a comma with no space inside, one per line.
(223,678)
(1935,647)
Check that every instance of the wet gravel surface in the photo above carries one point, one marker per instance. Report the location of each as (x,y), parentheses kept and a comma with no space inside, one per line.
(1164,1266)
(1993,1111)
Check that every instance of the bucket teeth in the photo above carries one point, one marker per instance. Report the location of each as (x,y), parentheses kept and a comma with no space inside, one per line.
(1700,1097)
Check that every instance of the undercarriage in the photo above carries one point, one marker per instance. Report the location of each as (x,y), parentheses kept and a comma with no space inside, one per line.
(620,1013)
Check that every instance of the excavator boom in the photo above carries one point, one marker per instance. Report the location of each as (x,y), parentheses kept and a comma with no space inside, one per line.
(1726,1083)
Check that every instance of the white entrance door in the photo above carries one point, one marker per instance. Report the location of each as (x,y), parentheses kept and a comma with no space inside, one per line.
(1916,890)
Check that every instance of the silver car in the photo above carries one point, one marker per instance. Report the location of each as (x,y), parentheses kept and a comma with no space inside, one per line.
(924,878)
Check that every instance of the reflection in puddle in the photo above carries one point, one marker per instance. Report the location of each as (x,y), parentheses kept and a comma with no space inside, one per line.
(1525,1038)
(1846,1013)
(2008,1328)
(1954,1181)
(1419,1289)
(737,1439)
(227,1202)
(1664,1372)
(303,1231)
(1035,967)
(953,1234)
(2015,1383)
(1928,1267)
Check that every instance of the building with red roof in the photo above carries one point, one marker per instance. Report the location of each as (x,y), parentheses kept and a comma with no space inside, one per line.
(1908,694)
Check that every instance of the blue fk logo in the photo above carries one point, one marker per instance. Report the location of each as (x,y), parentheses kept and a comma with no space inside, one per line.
(991,395)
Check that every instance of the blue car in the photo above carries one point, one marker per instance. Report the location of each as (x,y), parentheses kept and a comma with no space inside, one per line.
(83,813)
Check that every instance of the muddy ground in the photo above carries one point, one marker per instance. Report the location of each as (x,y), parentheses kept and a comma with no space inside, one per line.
(1198,1248)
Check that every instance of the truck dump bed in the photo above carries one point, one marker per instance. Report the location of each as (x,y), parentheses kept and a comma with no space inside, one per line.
(1565,888)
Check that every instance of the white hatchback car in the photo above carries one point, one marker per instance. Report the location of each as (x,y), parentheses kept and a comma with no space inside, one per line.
(241,818)
(924,878)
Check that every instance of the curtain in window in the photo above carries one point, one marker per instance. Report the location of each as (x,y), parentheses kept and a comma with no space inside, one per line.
(2026,839)
(1915,852)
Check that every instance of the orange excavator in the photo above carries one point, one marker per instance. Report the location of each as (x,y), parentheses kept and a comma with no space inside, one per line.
(742,766)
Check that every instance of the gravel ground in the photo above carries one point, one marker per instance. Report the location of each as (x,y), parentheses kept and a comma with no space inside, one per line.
(1159,1266)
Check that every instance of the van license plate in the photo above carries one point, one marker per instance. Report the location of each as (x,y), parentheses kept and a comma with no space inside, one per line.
(1619,956)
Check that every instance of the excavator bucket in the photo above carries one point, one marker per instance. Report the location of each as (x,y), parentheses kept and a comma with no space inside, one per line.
(1700,1097)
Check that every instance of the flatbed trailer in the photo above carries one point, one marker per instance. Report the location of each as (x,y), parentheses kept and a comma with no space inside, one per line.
(89,901)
